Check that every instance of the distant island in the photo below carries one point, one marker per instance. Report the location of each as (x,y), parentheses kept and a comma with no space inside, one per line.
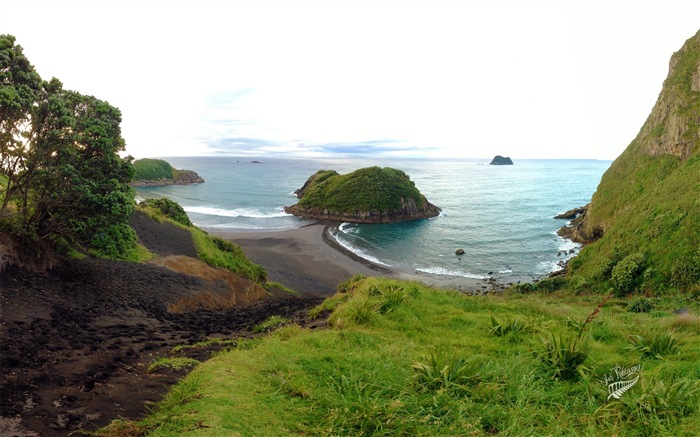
(158,172)
(367,195)
(501,160)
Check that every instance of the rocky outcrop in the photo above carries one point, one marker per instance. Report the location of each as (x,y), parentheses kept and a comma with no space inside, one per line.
(576,230)
(501,160)
(572,214)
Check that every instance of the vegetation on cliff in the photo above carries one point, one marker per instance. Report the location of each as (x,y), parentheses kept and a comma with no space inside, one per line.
(150,172)
(367,195)
(643,218)
(392,363)
(63,182)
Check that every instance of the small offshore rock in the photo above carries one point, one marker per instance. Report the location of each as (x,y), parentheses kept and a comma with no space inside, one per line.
(459,252)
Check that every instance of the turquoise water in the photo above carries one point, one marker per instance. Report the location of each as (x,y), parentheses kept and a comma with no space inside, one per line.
(502,216)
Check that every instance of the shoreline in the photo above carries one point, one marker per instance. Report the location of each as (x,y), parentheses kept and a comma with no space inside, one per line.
(310,260)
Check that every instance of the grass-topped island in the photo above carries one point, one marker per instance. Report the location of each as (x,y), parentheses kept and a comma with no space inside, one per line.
(367,195)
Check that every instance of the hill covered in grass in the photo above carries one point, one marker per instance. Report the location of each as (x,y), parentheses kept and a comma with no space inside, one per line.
(156,172)
(643,223)
(367,195)
(400,358)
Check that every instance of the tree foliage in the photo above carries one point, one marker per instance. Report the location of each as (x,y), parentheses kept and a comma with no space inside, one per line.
(148,169)
(366,189)
(64,178)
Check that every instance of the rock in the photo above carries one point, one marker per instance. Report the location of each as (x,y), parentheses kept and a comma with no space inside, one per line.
(459,252)
(572,213)
(501,160)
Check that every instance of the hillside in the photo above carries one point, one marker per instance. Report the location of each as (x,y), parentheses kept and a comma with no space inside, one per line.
(400,358)
(367,195)
(647,205)
(157,172)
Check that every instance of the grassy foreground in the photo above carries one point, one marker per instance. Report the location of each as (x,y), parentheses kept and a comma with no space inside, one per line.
(400,358)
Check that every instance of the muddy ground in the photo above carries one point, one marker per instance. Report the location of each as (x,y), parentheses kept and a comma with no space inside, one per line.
(76,343)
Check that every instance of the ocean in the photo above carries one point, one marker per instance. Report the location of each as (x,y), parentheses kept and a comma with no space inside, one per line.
(501,216)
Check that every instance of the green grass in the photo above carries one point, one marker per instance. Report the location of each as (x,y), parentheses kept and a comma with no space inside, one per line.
(430,367)
(218,252)
(176,363)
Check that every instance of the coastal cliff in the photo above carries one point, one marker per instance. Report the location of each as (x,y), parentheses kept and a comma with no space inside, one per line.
(647,201)
(157,172)
(368,195)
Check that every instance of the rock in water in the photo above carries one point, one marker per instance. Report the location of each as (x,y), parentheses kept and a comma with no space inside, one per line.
(501,160)
(367,195)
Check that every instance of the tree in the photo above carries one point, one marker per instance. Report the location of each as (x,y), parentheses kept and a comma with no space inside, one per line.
(66,180)
(19,89)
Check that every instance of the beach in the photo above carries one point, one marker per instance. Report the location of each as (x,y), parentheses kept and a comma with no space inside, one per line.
(310,260)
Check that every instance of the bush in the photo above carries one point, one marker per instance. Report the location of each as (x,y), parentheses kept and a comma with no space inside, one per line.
(116,241)
(444,371)
(169,209)
(654,346)
(626,275)
(640,306)
(565,356)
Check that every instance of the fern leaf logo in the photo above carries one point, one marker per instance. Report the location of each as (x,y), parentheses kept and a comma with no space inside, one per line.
(617,389)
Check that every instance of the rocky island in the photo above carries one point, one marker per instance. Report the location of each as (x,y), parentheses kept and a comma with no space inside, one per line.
(158,172)
(367,195)
(501,160)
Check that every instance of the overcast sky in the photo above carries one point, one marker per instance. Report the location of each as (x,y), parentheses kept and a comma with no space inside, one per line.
(552,79)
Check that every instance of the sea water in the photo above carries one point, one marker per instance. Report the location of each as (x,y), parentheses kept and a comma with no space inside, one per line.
(501,216)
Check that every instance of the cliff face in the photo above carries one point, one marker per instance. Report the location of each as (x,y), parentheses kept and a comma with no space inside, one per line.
(649,199)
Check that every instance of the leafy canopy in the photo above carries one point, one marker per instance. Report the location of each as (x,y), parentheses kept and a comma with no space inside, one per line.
(63,179)
(366,189)
(148,169)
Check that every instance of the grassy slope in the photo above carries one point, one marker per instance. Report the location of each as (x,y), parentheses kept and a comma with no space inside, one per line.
(651,204)
(366,189)
(356,378)
(214,251)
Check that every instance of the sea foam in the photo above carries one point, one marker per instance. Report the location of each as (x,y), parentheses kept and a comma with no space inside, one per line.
(238,212)
(447,272)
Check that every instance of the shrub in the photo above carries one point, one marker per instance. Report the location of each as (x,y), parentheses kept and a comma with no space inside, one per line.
(391,297)
(640,306)
(168,208)
(654,346)
(626,274)
(679,399)
(443,371)
(550,284)
(510,327)
(362,311)
(565,355)
(116,241)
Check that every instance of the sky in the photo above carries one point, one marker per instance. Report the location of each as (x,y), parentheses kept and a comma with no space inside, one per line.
(444,79)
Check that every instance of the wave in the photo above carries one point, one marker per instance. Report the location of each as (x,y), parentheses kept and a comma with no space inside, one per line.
(445,272)
(238,212)
(357,251)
